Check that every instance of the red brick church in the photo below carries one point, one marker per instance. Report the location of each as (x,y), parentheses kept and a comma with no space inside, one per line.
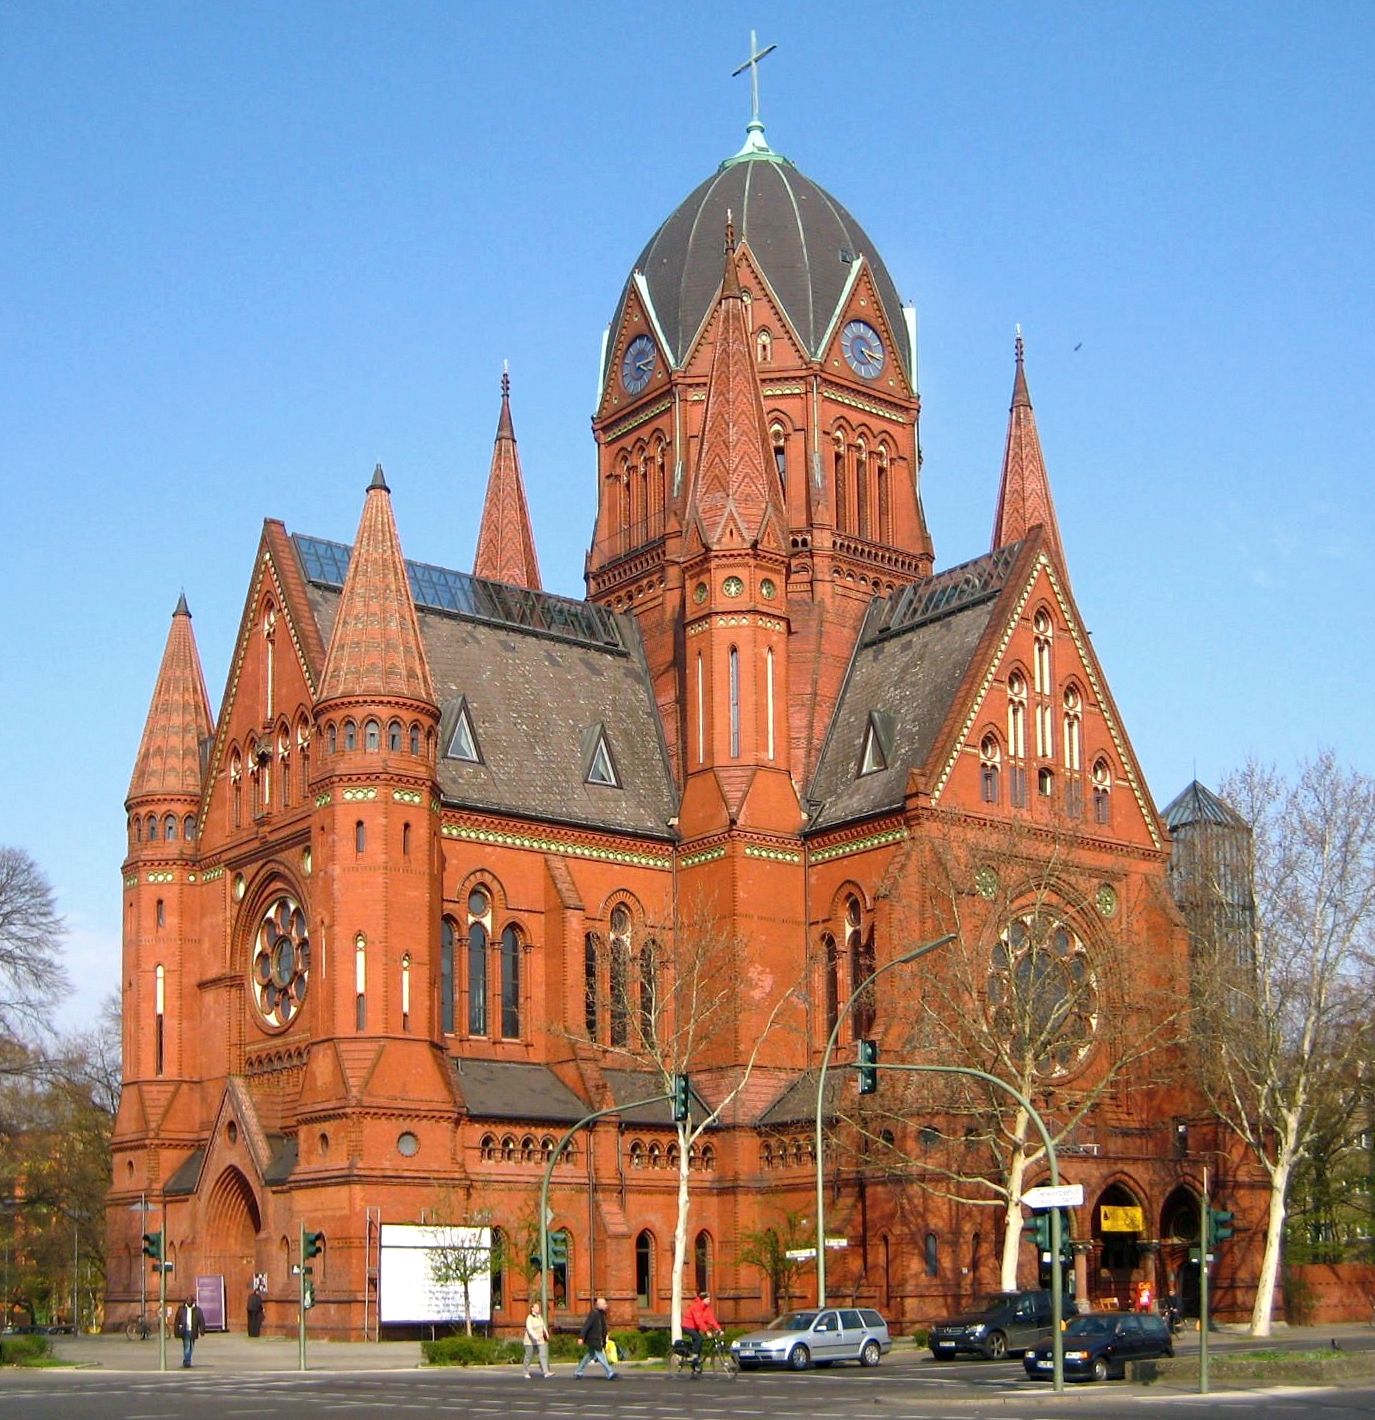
(392,912)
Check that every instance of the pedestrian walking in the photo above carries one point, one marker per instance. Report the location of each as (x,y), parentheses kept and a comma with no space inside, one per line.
(190,1326)
(594,1334)
(255,1313)
(537,1341)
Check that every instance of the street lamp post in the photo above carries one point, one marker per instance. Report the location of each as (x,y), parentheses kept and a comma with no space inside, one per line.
(841,1014)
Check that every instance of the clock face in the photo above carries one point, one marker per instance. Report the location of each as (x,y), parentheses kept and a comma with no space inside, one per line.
(863,349)
(638,364)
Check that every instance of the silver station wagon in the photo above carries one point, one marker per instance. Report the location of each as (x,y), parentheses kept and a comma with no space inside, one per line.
(816,1337)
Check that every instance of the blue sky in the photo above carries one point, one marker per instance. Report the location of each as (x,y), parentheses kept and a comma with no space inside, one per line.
(250,250)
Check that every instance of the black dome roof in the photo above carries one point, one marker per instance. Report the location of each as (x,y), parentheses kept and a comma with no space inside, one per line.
(805,242)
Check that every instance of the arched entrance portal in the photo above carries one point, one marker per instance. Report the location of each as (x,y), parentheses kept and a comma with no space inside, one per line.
(232,1224)
(1118,1228)
(1179,1230)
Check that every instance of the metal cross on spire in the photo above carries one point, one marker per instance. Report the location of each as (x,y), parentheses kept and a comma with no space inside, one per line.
(752,64)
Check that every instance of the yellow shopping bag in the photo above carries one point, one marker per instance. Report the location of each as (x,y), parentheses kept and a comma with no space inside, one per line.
(613,1353)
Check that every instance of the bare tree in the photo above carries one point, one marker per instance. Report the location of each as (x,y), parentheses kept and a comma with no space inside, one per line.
(1285,1020)
(678,1010)
(1043,988)
(32,978)
(770,1248)
(460,1255)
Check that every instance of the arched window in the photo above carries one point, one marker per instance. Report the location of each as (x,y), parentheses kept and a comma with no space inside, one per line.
(656,1157)
(591,995)
(372,736)
(360,836)
(332,737)
(768,699)
(415,739)
(933,1255)
(360,981)
(701,1261)
(885,511)
(510,983)
(394,735)
(779,440)
(1041,627)
(763,346)
(303,754)
(527,1149)
(708,1159)
(620,975)
(734,703)
(488,1148)
(990,757)
(169,828)
(1102,791)
(842,502)
(160,1007)
(235,794)
(648,988)
(766,1155)
(479,935)
(152,828)
(405,840)
(1016,738)
(188,827)
(508,1148)
(406,992)
(831,984)
(644,1268)
(862,488)
(447,937)
(161,913)
(637,1154)
(1073,711)
(350,735)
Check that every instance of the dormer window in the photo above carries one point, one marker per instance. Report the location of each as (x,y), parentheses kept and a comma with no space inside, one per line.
(463,740)
(874,752)
(598,765)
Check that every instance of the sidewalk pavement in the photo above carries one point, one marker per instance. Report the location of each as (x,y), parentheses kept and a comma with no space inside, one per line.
(236,1352)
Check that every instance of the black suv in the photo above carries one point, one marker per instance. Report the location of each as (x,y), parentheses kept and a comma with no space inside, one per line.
(996,1325)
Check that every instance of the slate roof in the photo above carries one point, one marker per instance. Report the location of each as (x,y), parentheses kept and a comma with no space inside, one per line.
(183,1179)
(802,238)
(507,1089)
(913,653)
(533,693)
(628,1085)
(797,1104)
(285,1151)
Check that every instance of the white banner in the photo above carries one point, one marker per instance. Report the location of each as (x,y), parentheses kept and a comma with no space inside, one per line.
(406,1287)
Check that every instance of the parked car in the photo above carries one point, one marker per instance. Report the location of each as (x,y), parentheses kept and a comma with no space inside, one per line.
(816,1337)
(1100,1345)
(996,1325)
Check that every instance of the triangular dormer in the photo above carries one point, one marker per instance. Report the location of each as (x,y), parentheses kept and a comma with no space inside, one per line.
(599,767)
(461,739)
(878,739)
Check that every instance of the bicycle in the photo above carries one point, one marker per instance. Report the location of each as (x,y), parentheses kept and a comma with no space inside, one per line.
(138,1328)
(717,1357)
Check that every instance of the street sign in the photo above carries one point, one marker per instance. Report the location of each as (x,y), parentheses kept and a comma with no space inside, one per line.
(837,1242)
(1064,1195)
(1195,1255)
(800,1254)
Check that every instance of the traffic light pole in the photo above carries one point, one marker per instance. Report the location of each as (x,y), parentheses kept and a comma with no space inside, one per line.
(544,1193)
(301,1298)
(162,1295)
(820,1144)
(1057,1307)
(1204,1242)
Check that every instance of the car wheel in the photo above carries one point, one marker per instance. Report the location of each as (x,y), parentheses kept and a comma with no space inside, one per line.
(799,1358)
(995,1348)
(1100,1368)
(870,1354)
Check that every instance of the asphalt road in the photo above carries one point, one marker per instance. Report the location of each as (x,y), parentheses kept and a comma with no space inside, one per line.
(223,1387)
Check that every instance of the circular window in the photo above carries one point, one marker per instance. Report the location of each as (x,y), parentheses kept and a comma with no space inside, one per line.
(239,886)
(280,970)
(767,589)
(1042,993)
(478,903)
(1106,899)
(732,586)
(986,882)
(407,1145)
(620,921)
(699,593)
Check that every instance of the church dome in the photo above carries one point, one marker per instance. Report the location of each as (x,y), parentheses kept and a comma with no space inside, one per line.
(804,241)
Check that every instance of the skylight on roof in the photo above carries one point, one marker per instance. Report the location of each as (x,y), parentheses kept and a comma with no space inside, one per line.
(463,741)
(602,770)
(872,757)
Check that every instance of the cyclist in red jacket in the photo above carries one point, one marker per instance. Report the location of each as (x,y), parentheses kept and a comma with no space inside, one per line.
(699,1322)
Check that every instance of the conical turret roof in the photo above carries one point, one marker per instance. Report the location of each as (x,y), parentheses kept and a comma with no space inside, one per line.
(168,762)
(733,498)
(1198,804)
(375,649)
(505,543)
(1024,499)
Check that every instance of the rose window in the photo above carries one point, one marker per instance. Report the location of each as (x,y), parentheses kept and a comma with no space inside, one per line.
(281,962)
(1042,993)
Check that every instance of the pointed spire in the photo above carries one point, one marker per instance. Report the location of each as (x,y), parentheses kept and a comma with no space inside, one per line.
(1024,499)
(375,648)
(733,500)
(169,762)
(505,543)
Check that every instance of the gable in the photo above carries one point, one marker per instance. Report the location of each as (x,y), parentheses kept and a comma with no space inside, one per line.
(637,323)
(1073,664)
(861,303)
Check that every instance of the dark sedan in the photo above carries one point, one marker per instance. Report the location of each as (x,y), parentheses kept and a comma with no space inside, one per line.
(1100,1345)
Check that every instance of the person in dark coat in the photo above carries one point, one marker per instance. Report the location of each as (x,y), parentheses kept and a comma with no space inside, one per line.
(594,1334)
(190,1326)
(255,1313)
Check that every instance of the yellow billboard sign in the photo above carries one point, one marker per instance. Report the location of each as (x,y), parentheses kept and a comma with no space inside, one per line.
(1113,1218)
